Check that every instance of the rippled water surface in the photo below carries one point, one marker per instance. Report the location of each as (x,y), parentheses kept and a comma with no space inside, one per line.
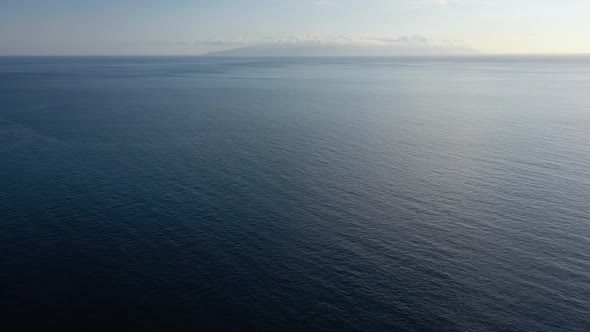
(178,194)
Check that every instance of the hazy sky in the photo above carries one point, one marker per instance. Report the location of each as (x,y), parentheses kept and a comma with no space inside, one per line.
(196,26)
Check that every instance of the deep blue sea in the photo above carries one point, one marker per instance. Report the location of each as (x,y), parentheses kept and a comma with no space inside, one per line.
(315,194)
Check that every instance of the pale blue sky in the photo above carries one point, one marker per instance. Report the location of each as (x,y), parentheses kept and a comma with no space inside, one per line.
(197,26)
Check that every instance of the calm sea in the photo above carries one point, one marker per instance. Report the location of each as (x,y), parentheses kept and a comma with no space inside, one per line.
(334,194)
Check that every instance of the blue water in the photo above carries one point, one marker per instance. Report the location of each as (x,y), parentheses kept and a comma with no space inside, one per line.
(376,194)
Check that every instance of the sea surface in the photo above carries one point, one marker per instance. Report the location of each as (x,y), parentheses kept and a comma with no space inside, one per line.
(277,194)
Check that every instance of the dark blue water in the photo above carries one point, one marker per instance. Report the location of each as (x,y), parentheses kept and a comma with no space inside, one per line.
(185,194)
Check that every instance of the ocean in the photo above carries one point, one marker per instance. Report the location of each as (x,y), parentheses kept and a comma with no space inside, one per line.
(286,194)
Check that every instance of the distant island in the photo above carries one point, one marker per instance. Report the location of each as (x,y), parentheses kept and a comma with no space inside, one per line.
(315,48)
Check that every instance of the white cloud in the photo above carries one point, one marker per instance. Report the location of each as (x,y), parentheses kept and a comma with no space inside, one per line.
(331,39)
(341,45)
(327,43)
(417,4)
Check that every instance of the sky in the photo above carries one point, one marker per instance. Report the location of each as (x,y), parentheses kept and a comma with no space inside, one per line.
(158,27)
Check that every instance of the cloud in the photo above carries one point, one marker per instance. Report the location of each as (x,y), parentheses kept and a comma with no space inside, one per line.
(419,4)
(301,44)
(331,39)
(342,45)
